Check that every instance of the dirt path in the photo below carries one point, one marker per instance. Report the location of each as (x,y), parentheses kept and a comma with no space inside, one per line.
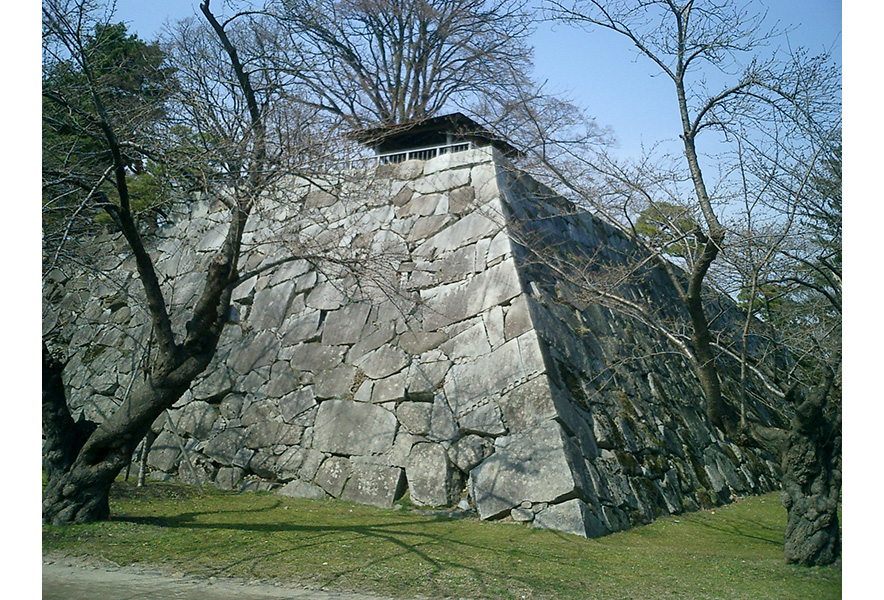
(69,579)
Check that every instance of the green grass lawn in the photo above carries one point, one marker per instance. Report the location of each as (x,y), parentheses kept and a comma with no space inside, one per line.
(731,552)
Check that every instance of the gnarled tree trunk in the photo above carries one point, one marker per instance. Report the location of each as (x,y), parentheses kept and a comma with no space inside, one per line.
(812,482)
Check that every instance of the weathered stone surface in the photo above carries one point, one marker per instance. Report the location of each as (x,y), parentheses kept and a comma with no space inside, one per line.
(259,411)
(572,516)
(539,466)
(300,328)
(333,474)
(325,296)
(454,302)
(528,405)
(347,427)
(297,403)
(374,484)
(384,361)
(334,383)
(484,419)
(344,326)
(224,446)
(217,382)
(195,419)
(254,352)
(301,489)
(487,377)
(389,389)
(442,424)
(469,451)
(283,380)
(418,342)
(468,345)
(425,375)
(289,463)
(415,416)
(229,478)
(263,464)
(270,306)
(432,479)
(267,434)
(165,452)
(316,357)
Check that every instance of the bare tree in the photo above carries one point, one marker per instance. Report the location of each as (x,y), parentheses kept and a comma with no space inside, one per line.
(394,61)
(241,157)
(769,119)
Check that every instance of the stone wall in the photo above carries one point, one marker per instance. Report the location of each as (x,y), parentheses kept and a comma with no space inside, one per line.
(415,347)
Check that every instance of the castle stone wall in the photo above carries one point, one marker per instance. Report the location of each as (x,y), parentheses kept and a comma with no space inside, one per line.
(399,339)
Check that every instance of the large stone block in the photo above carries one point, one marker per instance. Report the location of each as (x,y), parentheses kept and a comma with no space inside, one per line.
(223,447)
(528,405)
(450,303)
(467,384)
(537,466)
(378,485)
(270,306)
(165,452)
(195,419)
(572,516)
(301,489)
(333,474)
(384,361)
(344,326)
(432,479)
(347,427)
(316,357)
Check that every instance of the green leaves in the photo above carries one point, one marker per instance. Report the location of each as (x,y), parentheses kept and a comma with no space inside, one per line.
(668,226)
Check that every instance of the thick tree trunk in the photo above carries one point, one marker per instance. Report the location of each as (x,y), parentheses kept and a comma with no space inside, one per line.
(78,493)
(812,483)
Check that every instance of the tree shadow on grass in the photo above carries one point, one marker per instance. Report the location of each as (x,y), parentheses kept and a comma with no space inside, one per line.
(400,539)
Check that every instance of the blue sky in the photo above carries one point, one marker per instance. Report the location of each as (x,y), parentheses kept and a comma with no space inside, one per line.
(598,71)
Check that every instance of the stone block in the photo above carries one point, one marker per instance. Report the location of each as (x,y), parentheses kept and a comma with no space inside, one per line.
(326,296)
(224,446)
(229,478)
(252,353)
(483,419)
(347,427)
(345,325)
(469,451)
(415,416)
(302,489)
(384,361)
(389,389)
(335,383)
(301,327)
(432,479)
(259,411)
(272,433)
(469,383)
(418,342)
(165,452)
(270,306)
(377,485)
(528,405)
(283,380)
(316,357)
(572,516)
(333,474)
(537,466)
(443,426)
(297,403)
(453,302)
(289,463)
